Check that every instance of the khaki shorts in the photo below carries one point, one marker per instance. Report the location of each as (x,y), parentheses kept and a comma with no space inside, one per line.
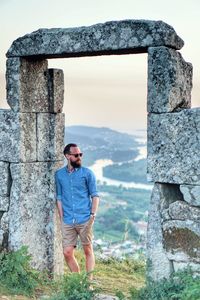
(70,233)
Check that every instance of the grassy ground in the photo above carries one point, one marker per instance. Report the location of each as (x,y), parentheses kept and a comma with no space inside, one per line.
(110,276)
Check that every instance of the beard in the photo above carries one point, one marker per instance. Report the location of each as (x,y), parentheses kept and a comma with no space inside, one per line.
(76,164)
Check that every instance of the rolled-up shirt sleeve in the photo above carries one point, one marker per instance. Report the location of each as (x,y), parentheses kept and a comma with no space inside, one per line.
(92,184)
(58,188)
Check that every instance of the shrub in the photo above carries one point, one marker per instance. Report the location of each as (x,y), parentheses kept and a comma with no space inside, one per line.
(16,273)
(76,286)
(182,285)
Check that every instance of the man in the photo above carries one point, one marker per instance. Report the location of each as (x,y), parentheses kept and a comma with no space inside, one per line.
(77,202)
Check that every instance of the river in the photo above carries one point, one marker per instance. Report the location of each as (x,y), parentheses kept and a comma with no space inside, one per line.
(97,167)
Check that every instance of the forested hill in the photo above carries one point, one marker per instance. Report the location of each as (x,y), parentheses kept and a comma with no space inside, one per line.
(102,142)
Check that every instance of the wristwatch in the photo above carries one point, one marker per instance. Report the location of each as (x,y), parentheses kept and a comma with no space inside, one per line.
(93,214)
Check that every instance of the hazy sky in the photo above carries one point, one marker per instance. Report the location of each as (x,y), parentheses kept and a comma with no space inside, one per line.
(107,90)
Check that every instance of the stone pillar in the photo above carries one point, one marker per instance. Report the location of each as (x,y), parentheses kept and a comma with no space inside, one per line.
(33,132)
(173,164)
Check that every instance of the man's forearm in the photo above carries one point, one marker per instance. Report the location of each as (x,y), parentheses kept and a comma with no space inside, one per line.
(60,210)
(95,204)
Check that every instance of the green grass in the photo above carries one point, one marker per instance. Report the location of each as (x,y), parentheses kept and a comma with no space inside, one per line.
(124,278)
(109,276)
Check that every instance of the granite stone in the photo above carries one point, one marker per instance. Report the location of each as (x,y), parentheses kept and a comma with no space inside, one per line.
(181,210)
(169,81)
(180,266)
(113,37)
(33,214)
(5,179)
(191,194)
(158,264)
(4,203)
(4,229)
(173,142)
(27,85)
(17,136)
(50,136)
(55,90)
(181,240)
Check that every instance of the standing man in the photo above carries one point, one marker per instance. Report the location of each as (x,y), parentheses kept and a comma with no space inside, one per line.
(77,201)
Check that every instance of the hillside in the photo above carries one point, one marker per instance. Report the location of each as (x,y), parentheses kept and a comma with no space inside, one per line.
(123,211)
(102,143)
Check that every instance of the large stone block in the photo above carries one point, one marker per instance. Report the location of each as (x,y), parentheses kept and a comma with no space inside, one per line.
(4,221)
(33,218)
(158,266)
(191,194)
(181,210)
(50,136)
(180,266)
(4,203)
(115,37)
(5,179)
(173,147)
(17,136)
(27,85)
(56,90)
(169,81)
(182,240)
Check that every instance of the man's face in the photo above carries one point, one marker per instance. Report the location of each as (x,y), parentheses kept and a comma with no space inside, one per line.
(74,157)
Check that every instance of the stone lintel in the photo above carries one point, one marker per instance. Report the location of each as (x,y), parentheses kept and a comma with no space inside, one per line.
(113,37)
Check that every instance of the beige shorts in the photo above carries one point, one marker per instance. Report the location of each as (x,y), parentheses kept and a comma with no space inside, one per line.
(70,233)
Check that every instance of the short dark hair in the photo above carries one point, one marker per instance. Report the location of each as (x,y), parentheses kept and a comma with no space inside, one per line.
(67,148)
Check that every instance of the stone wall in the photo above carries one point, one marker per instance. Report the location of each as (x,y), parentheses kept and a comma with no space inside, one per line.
(32,141)
(32,134)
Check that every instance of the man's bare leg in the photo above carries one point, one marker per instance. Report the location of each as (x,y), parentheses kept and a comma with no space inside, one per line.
(90,259)
(70,259)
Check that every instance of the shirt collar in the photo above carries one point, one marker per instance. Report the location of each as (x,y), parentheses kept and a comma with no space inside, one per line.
(74,170)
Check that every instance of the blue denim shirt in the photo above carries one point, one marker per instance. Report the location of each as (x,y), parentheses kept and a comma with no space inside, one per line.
(74,190)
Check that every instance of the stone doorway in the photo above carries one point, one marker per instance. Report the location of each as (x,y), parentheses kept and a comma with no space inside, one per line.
(32,133)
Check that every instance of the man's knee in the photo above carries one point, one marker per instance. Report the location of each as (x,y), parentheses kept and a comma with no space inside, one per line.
(68,252)
(88,249)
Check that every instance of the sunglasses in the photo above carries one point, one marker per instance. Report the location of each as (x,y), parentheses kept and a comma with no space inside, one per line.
(76,155)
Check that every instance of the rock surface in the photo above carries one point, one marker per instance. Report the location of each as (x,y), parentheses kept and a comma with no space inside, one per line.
(173,147)
(115,37)
(5,179)
(182,240)
(33,214)
(169,81)
(159,265)
(17,136)
(191,194)
(27,85)
(56,90)
(181,210)
(50,136)
(4,203)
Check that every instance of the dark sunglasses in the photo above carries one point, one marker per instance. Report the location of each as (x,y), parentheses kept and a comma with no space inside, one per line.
(76,155)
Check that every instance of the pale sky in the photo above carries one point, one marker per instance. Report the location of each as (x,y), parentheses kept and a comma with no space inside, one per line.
(108,90)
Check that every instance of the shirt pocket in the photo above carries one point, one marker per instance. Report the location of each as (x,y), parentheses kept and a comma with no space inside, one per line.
(80,182)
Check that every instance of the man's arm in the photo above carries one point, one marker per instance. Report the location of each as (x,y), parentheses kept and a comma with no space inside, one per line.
(60,210)
(59,196)
(95,204)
